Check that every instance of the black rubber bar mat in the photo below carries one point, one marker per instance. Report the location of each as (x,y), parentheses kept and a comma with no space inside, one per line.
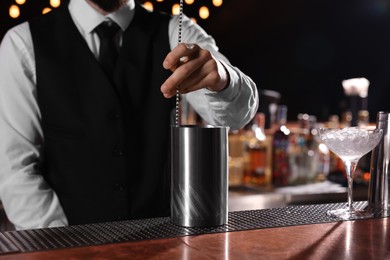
(155,228)
(6,246)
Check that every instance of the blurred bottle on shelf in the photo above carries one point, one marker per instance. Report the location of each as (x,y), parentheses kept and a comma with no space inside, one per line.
(270,100)
(258,152)
(346,119)
(280,147)
(323,166)
(236,157)
(308,158)
(310,153)
(333,122)
(321,152)
(313,152)
(356,89)
(296,150)
(363,118)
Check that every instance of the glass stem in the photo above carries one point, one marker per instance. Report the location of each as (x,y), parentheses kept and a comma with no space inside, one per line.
(350,168)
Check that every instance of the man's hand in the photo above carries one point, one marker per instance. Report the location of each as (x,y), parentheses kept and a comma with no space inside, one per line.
(193,68)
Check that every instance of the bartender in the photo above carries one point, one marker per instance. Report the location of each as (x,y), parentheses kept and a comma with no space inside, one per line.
(85,117)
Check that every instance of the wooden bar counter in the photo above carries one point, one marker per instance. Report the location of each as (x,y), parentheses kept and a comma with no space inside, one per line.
(358,239)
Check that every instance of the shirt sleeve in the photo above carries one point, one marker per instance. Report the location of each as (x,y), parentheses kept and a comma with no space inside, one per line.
(236,105)
(28,200)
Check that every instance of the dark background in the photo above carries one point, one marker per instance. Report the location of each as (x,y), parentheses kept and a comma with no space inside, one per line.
(300,48)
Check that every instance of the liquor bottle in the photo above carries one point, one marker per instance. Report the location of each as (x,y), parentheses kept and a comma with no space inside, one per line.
(313,163)
(237,144)
(364,118)
(257,171)
(298,152)
(295,151)
(280,148)
(333,122)
(324,158)
(317,154)
(346,119)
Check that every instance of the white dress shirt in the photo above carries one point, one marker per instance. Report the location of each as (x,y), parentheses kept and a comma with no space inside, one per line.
(28,200)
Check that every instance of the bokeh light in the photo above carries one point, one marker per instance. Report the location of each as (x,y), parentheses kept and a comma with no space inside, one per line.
(14,11)
(148,6)
(175,9)
(55,3)
(217,3)
(204,12)
(20,2)
(46,10)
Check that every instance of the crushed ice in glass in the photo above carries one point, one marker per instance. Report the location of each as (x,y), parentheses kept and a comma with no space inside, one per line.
(351,142)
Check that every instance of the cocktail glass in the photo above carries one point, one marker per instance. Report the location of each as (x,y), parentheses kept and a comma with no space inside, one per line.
(350,144)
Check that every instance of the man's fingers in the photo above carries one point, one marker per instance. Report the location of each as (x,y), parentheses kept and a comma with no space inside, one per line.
(179,54)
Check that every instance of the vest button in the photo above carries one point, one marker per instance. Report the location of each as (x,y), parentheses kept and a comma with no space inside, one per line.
(117,152)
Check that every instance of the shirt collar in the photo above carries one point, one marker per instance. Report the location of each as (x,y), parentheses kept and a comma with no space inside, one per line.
(88,18)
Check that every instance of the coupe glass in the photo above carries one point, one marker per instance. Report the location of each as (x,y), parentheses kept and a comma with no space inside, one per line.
(350,144)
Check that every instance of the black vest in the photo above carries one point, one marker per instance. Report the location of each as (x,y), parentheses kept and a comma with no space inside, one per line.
(106,148)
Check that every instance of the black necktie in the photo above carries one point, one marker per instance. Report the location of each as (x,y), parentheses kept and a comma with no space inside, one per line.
(108,50)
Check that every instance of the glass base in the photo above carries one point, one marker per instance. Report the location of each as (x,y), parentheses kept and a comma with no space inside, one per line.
(348,213)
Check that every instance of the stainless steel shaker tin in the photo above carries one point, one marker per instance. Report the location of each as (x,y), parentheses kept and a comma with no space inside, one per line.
(378,192)
(199,181)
